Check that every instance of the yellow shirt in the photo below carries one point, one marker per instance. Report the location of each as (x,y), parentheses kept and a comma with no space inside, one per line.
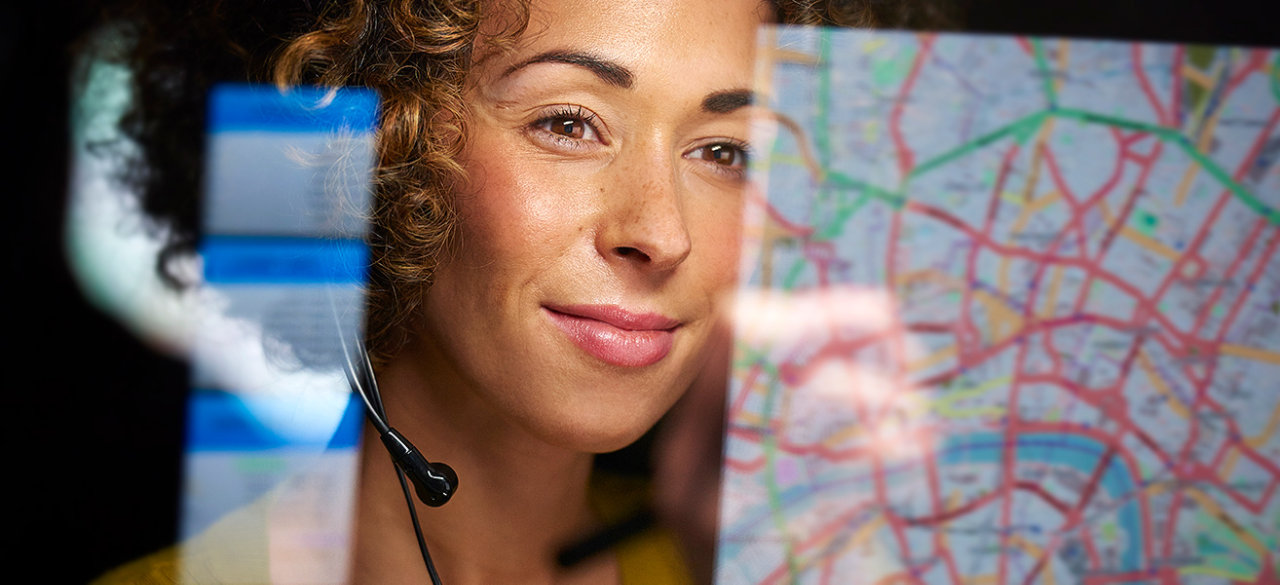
(650,558)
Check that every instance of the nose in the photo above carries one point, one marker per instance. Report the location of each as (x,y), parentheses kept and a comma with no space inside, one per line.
(645,220)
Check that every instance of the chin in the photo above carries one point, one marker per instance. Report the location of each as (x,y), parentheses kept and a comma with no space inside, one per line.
(597,426)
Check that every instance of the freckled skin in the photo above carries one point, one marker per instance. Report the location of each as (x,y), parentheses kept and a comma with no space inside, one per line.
(580,191)
(636,220)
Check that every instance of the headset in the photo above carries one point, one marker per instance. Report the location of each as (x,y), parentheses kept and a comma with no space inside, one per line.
(434,483)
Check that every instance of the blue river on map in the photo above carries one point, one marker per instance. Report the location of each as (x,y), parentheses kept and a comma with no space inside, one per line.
(1080,453)
(1077,452)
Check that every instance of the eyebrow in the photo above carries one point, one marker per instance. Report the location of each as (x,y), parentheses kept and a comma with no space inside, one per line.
(723,102)
(608,71)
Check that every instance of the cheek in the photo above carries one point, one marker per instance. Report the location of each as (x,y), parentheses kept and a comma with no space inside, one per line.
(720,227)
(513,213)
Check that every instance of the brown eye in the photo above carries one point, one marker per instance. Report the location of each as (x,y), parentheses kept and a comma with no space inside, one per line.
(727,158)
(568,127)
(721,154)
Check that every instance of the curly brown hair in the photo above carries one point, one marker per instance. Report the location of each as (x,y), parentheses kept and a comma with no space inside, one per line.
(415,53)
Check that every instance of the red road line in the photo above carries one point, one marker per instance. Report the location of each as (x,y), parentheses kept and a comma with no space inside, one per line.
(1198,241)
(1251,280)
(877,462)
(1207,307)
(1093,270)
(749,381)
(1175,108)
(1009,458)
(1037,489)
(961,510)
(906,158)
(745,467)
(1161,115)
(1257,62)
(1055,172)
(1130,201)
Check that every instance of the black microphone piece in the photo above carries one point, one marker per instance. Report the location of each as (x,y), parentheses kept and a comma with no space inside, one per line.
(434,482)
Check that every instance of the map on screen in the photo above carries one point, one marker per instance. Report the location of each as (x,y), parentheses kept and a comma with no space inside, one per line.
(1010,315)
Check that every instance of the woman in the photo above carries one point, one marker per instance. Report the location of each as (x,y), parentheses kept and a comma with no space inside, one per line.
(558,198)
(596,233)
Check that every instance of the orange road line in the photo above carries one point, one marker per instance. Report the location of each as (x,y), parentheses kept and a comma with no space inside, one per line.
(771,236)
(1265,435)
(1150,243)
(1144,362)
(863,535)
(1051,296)
(1139,238)
(932,359)
(1250,353)
(1034,207)
(1002,280)
(1205,80)
(928,274)
(1229,463)
(845,432)
(1037,153)
(1184,186)
(1211,505)
(999,316)
(1064,49)
(903,577)
(1207,131)
(1192,73)
(1034,552)
(793,56)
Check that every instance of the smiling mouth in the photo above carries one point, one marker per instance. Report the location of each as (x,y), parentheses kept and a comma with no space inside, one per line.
(614,335)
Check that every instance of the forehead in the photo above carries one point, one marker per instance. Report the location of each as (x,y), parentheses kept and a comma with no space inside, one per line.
(690,41)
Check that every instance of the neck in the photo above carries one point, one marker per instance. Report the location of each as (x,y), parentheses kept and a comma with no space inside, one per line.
(519,499)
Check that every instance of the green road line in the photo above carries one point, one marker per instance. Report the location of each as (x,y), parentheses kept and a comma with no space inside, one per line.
(1043,66)
(1106,120)
(1224,553)
(944,405)
(822,134)
(889,72)
(1025,127)
(1179,139)
(789,281)
(1275,77)
(769,444)
(1020,129)
(843,181)
(749,356)
(822,130)
(842,215)
(822,143)
(1240,192)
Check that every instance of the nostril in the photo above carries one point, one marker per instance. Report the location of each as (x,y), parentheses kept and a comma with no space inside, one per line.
(630,252)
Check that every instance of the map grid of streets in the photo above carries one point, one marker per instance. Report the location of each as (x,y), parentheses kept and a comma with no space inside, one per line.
(1011,315)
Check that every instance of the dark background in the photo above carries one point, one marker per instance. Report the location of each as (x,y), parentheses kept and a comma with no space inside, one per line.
(93,444)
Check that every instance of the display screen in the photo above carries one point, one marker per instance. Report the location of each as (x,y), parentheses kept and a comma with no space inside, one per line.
(1010,313)
(273,428)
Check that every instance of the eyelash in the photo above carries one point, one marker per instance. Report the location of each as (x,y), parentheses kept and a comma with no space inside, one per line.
(743,155)
(567,113)
(570,113)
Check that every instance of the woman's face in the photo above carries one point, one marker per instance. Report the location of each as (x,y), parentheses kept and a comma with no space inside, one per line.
(599,226)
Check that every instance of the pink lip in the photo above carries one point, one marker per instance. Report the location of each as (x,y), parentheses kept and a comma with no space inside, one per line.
(615,335)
